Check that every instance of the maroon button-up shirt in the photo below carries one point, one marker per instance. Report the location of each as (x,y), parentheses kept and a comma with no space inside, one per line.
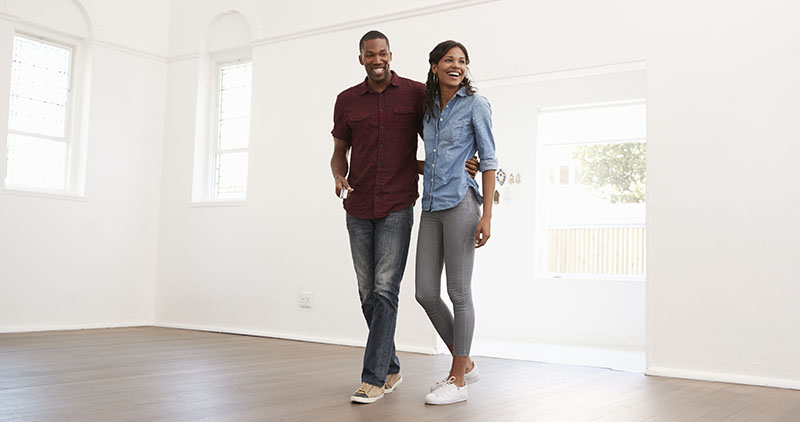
(382,131)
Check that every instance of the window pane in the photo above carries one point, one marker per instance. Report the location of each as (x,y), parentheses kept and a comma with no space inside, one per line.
(593,190)
(236,76)
(596,250)
(597,182)
(234,133)
(231,175)
(40,82)
(35,162)
(234,103)
(595,210)
(235,88)
(37,117)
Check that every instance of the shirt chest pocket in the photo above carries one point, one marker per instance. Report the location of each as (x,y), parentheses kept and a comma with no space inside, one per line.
(405,117)
(360,124)
(459,130)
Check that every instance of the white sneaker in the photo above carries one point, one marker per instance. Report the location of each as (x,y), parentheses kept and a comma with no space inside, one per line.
(447,393)
(472,376)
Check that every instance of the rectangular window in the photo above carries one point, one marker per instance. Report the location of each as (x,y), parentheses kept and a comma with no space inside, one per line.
(592,164)
(39,116)
(232,132)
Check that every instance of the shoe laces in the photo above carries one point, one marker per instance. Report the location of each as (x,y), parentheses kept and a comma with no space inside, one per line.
(440,383)
(364,388)
(451,380)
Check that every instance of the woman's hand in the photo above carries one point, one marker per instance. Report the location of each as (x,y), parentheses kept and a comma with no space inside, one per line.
(483,231)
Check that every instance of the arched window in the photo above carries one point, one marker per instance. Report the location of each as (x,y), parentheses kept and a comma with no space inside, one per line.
(224,176)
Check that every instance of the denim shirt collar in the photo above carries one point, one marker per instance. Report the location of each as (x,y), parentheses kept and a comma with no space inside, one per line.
(437,101)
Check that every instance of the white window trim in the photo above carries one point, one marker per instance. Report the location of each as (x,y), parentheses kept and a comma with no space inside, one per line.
(540,227)
(214,150)
(217,61)
(75,118)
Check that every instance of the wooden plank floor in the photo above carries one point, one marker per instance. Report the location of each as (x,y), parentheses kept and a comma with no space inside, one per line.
(160,374)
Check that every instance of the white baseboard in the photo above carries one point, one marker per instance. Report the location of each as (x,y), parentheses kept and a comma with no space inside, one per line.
(68,327)
(288,336)
(620,359)
(792,384)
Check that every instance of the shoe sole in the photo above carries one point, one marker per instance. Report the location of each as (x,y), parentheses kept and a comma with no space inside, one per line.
(446,402)
(389,390)
(365,400)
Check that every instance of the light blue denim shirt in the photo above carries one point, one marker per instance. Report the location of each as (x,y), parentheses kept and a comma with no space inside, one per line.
(453,136)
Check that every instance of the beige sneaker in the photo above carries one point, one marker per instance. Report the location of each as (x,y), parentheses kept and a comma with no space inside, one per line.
(367,393)
(392,381)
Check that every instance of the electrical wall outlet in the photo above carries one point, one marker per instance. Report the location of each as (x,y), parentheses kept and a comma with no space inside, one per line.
(306,299)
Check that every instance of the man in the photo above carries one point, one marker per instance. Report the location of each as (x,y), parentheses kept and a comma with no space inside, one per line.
(378,119)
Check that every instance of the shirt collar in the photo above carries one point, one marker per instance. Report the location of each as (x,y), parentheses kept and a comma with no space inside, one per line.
(366,89)
(462,92)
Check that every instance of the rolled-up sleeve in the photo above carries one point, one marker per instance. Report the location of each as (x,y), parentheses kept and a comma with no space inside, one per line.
(482,122)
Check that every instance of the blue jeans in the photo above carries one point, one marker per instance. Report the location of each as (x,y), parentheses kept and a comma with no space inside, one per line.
(380,249)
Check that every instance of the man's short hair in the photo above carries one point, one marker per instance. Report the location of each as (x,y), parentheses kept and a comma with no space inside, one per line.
(372,35)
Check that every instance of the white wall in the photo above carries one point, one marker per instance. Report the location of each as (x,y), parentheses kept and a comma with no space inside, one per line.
(90,262)
(721,141)
(723,101)
(722,232)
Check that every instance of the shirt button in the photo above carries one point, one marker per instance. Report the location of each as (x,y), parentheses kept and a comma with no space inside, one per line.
(434,150)
(381,126)
(440,119)
(381,109)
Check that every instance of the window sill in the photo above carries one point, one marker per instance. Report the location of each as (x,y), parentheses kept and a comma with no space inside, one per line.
(235,203)
(44,194)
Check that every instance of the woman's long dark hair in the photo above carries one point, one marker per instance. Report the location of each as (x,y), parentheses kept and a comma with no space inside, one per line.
(432,86)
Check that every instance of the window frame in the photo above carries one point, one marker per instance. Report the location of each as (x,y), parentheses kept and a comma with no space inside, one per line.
(207,142)
(215,152)
(541,247)
(74,126)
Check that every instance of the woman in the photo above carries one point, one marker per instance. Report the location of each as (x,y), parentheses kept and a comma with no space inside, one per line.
(457,123)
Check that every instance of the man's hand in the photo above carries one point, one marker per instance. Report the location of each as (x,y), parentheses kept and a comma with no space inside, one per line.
(472,166)
(341,183)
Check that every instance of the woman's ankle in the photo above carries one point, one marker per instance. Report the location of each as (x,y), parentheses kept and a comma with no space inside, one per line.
(459,381)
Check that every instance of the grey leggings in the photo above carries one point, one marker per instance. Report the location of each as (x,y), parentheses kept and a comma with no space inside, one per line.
(448,238)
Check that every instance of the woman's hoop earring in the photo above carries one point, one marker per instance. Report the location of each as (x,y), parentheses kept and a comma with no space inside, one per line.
(435,78)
